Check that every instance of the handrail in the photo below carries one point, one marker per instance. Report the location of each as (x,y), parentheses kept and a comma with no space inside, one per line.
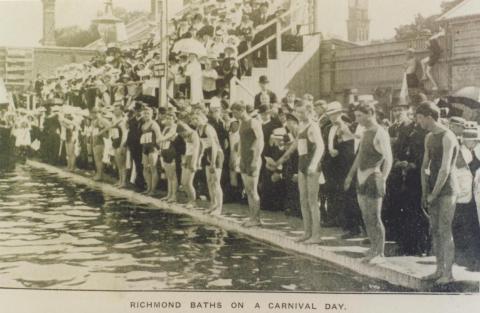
(262,43)
(295,58)
(241,84)
(273,36)
(276,19)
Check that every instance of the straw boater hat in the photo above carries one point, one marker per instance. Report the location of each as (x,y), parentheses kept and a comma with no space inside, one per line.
(471,134)
(456,120)
(334,108)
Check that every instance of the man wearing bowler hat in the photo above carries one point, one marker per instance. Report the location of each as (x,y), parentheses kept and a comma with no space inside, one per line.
(263,82)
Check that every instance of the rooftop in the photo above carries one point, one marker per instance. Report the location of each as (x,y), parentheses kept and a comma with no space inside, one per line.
(464,9)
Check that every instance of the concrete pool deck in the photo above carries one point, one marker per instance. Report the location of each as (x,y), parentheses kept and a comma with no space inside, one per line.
(281,231)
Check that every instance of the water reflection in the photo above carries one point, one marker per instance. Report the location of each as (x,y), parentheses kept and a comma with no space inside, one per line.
(56,234)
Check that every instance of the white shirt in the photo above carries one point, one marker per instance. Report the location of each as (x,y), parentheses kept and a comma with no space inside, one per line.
(194,70)
(210,79)
(22,137)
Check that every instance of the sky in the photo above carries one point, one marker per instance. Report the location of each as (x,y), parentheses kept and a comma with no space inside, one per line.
(21,20)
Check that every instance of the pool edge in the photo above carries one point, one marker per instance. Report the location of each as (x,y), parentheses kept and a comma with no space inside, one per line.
(389,275)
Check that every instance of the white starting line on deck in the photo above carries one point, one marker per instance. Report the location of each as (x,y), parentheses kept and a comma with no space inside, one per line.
(266,235)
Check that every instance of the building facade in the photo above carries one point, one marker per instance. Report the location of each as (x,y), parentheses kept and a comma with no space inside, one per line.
(20,66)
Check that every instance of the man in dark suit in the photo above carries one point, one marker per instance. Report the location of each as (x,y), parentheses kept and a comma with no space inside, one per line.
(133,143)
(261,17)
(263,82)
(340,152)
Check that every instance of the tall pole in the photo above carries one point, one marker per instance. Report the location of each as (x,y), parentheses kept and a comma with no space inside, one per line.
(162,19)
(316,16)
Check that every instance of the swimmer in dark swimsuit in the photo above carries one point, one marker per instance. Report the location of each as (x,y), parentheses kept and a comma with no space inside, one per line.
(118,135)
(150,142)
(251,148)
(435,52)
(371,167)
(212,160)
(189,161)
(439,188)
(99,128)
(168,153)
(310,147)
(70,130)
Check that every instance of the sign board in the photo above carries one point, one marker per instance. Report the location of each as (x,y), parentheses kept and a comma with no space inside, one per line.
(159,70)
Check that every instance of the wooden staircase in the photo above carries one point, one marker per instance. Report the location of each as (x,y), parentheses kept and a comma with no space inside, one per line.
(280,71)
(290,59)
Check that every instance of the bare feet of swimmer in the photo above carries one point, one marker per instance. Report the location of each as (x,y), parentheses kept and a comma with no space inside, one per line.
(445,280)
(379,259)
(434,276)
(313,241)
(303,238)
(217,211)
(374,259)
(252,223)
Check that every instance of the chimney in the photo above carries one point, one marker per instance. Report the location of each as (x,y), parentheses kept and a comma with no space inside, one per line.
(48,23)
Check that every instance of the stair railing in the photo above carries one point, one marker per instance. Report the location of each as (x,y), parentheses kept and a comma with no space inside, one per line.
(280,30)
(234,82)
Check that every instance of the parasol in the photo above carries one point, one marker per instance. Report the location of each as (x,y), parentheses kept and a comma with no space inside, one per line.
(190,45)
(469,96)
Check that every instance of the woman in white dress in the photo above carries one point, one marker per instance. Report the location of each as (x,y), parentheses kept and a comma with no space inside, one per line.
(194,71)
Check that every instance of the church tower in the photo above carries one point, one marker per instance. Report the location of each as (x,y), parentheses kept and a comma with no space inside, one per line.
(48,23)
(358,24)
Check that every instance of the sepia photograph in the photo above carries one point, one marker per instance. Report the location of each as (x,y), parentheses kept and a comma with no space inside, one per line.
(239,156)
